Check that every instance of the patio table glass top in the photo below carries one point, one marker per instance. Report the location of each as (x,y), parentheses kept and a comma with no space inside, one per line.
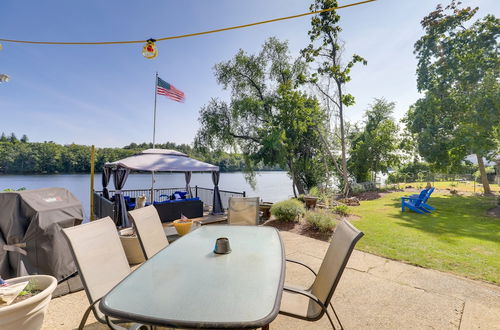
(188,285)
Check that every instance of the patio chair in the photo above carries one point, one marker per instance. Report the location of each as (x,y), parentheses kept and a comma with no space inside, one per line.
(149,230)
(101,263)
(311,304)
(243,211)
(425,199)
(415,204)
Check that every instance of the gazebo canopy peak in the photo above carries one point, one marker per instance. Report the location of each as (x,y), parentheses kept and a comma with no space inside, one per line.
(162,160)
(163,152)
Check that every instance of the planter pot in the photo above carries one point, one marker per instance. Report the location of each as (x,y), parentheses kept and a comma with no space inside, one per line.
(29,313)
(265,208)
(183,226)
(132,247)
(310,202)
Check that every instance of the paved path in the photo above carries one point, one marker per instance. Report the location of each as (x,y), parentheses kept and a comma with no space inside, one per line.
(374,293)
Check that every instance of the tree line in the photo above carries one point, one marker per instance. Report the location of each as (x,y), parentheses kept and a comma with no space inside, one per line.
(19,156)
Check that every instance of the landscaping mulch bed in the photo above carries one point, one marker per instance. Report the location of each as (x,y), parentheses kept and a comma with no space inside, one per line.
(299,228)
(371,195)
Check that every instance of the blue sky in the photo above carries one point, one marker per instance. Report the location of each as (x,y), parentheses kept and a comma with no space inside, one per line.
(103,95)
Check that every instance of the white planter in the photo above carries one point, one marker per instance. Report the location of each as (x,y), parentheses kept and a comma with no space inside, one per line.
(29,313)
(132,247)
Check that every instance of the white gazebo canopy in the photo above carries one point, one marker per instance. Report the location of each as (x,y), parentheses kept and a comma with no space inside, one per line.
(163,160)
(156,160)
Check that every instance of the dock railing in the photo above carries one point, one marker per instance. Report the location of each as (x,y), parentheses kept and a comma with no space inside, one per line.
(103,207)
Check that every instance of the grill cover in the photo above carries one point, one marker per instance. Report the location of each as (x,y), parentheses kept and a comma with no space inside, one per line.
(31,240)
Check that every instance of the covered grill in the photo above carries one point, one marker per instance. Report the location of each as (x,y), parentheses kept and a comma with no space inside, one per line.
(31,241)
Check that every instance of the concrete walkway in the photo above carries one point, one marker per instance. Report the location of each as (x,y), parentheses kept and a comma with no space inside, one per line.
(374,293)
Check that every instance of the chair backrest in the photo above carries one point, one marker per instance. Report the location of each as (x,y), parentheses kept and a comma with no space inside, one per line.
(429,193)
(243,211)
(343,241)
(421,198)
(99,257)
(149,230)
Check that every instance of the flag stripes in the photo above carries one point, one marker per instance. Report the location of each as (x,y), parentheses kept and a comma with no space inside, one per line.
(168,90)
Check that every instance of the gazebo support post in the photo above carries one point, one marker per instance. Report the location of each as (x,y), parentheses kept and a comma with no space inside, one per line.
(217,202)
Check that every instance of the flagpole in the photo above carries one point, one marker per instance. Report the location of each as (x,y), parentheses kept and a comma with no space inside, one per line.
(154,114)
(154,144)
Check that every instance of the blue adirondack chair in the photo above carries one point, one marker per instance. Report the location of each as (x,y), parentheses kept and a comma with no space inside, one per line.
(414,204)
(426,198)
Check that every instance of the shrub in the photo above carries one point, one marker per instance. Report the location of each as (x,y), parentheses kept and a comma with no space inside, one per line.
(341,209)
(322,220)
(324,194)
(288,210)
(300,198)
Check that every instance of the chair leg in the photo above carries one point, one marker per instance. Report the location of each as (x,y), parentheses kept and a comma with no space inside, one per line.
(336,316)
(86,315)
(330,319)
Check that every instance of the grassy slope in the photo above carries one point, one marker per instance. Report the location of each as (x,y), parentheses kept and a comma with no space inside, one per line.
(458,237)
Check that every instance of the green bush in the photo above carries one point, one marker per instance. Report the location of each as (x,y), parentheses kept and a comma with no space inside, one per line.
(324,194)
(288,210)
(300,198)
(322,220)
(341,209)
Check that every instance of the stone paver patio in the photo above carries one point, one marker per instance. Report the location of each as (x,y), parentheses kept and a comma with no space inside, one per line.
(374,293)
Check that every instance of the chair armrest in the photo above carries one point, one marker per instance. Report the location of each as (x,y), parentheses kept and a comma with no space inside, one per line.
(307,294)
(411,198)
(302,264)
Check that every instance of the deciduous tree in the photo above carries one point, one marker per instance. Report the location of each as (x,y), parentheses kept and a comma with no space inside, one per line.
(374,147)
(458,73)
(331,75)
(267,119)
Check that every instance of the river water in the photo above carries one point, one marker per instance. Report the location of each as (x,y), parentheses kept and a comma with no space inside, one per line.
(270,186)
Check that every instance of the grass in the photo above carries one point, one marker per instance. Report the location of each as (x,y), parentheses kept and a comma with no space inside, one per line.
(458,237)
(465,186)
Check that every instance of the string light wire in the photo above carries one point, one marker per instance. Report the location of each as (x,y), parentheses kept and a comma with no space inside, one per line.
(189,34)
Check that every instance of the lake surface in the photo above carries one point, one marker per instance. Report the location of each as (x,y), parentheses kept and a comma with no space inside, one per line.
(271,186)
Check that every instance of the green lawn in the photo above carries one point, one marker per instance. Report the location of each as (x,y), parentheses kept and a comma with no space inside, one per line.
(458,237)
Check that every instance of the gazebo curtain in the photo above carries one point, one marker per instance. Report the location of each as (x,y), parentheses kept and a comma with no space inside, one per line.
(187,175)
(120,175)
(217,202)
(106,174)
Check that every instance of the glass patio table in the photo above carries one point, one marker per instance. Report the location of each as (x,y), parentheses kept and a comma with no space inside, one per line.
(187,285)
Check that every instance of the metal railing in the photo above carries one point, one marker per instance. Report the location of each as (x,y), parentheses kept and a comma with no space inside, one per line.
(206,195)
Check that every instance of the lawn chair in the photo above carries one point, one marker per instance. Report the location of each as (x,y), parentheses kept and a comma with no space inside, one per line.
(243,211)
(149,230)
(311,304)
(415,204)
(101,263)
(424,202)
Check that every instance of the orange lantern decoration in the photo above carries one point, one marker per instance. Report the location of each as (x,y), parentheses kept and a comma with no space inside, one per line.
(149,50)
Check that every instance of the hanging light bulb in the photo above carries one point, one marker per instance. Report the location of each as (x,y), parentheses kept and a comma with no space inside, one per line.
(4,78)
(149,50)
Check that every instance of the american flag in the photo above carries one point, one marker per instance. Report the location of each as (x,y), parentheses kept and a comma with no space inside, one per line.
(164,88)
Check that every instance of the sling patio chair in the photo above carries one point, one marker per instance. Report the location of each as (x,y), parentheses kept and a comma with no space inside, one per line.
(243,211)
(311,304)
(101,263)
(415,204)
(149,230)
